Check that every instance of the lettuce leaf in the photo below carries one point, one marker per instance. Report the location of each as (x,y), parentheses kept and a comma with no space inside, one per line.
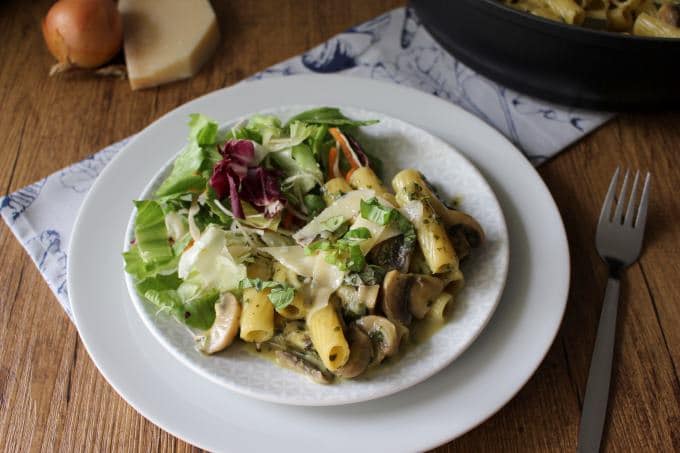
(152,253)
(151,234)
(185,175)
(197,312)
(267,126)
(188,170)
(301,172)
(202,129)
(329,116)
(159,283)
(140,270)
(298,132)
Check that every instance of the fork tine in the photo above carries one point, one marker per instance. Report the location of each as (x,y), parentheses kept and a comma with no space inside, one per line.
(607,205)
(628,220)
(618,213)
(644,201)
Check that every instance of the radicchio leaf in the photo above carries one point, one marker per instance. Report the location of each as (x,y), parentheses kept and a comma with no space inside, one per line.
(230,172)
(262,189)
(240,153)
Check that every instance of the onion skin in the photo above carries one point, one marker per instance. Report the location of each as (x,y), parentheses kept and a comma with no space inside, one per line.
(83,33)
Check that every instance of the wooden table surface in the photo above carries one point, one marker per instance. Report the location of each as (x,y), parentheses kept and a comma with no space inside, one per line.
(52,398)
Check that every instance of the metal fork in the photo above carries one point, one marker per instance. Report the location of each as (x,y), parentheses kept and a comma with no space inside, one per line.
(618,241)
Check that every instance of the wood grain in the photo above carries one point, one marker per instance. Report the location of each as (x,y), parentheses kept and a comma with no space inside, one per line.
(52,398)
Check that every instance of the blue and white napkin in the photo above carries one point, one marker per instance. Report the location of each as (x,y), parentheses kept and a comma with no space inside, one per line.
(392,47)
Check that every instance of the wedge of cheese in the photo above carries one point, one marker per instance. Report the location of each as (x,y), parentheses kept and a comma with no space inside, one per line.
(167,40)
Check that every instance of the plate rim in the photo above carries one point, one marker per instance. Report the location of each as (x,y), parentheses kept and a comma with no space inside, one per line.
(145,406)
(280,398)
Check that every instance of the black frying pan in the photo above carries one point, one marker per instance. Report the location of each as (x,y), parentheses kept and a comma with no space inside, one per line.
(562,63)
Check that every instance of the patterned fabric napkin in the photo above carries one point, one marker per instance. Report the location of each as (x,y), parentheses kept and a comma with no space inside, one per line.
(392,47)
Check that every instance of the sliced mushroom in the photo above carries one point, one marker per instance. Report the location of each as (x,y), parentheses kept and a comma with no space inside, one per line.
(224,329)
(350,303)
(424,289)
(396,289)
(408,295)
(298,363)
(383,335)
(473,231)
(391,254)
(368,294)
(459,241)
(299,340)
(360,353)
(403,334)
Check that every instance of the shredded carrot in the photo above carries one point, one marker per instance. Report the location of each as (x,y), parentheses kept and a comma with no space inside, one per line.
(332,157)
(349,173)
(346,149)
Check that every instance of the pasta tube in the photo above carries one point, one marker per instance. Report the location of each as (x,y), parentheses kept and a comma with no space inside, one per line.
(535,7)
(596,9)
(647,25)
(334,189)
(620,16)
(450,217)
(568,10)
(257,316)
(365,178)
(328,338)
(439,307)
(296,309)
(260,268)
(434,242)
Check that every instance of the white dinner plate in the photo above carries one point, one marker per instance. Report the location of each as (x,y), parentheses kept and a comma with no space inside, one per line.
(400,146)
(448,404)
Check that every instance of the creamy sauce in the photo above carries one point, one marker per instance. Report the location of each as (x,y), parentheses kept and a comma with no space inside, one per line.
(266,351)
(420,331)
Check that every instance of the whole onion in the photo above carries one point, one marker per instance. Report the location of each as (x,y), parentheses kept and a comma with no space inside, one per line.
(83,33)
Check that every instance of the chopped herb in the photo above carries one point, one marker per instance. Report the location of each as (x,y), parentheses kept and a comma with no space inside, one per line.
(345,253)
(360,233)
(280,294)
(382,215)
(375,212)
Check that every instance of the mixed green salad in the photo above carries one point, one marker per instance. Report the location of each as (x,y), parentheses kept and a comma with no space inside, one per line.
(255,184)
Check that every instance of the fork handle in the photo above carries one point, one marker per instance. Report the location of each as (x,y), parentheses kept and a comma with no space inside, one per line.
(597,389)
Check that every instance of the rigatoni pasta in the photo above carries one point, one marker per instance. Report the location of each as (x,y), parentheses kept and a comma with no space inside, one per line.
(432,237)
(257,316)
(328,337)
(651,18)
(296,309)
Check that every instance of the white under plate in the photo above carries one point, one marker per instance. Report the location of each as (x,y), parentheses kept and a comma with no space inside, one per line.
(400,146)
(448,404)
